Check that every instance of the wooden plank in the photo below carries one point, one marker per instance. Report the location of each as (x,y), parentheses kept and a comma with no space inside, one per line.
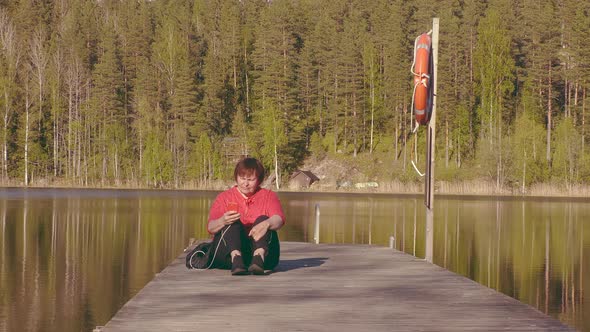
(326,288)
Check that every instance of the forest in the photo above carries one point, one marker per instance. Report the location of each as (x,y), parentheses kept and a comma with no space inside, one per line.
(168,93)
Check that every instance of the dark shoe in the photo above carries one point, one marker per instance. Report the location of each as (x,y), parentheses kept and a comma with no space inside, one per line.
(257,265)
(237,266)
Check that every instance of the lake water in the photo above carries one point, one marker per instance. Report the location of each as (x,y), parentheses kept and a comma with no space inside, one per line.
(69,259)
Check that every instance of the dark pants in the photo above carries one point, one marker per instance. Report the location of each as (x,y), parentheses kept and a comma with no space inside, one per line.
(236,238)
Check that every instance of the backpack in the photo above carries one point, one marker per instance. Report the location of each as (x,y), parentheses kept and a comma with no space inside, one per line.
(199,258)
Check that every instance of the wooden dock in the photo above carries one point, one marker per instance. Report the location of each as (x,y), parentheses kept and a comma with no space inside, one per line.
(326,288)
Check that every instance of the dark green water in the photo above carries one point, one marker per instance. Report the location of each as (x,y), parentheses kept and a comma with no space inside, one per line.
(69,259)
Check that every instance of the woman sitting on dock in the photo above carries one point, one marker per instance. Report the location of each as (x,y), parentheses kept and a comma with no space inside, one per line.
(244,220)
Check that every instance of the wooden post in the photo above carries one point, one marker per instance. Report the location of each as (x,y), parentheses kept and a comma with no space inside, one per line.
(391,242)
(316,233)
(431,135)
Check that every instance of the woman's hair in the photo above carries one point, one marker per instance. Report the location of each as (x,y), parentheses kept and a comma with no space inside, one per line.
(249,166)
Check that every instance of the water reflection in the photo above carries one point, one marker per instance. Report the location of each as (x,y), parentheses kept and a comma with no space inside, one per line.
(69,259)
(532,250)
(69,263)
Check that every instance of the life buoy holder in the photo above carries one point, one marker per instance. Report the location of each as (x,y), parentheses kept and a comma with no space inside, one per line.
(422,71)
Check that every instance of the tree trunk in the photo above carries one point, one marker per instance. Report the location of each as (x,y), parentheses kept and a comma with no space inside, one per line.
(566,93)
(458,153)
(70,162)
(27,107)
(576,91)
(396,139)
(55,101)
(372,106)
(247,82)
(405,137)
(583,118)
(320,102)
(140,148)
(355,126)
(446,142)
(335,111)
(277,178)
(524,173)
(40,101)
(55,143)
(549,96)
(116,165)
(285,77)
(104,149)
(500,166)
(5,137)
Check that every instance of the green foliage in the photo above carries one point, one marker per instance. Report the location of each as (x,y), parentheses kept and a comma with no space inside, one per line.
(585,167)
(202,160)
(270,140)
(567,154)
(157,162)
(111,83)
(528,164)
(316,147)
(493,67)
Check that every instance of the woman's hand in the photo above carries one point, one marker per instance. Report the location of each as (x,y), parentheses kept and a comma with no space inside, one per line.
(227,218)
(230,217)
(258,231)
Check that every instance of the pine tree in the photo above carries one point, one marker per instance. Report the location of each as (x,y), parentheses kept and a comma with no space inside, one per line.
(140,98)
(171,54)
(221,63)
(155,160)
(541,60)
(317,54)
(357,64)
(323,46)
(275,76)
(108,93)
(580,67)
(452,108)
(77,42)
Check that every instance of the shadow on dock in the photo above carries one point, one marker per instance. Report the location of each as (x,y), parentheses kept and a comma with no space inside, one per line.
(301,263)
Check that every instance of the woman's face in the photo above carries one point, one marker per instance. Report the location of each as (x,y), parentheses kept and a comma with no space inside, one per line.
(247,183)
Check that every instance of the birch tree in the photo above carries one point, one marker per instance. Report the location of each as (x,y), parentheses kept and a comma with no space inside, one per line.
(10,58)
(494,65)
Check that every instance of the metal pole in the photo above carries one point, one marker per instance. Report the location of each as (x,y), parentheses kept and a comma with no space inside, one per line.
(431,135)
(316,233)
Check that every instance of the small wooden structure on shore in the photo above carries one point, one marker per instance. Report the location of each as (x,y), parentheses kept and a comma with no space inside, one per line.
(302,179)
(326,287)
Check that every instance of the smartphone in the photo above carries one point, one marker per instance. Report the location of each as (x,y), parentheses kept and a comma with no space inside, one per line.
(232,206)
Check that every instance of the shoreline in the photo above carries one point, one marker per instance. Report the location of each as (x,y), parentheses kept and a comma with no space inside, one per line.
(557,195)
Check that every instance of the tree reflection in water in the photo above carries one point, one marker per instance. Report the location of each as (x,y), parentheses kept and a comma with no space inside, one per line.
(532,250)
(71,258)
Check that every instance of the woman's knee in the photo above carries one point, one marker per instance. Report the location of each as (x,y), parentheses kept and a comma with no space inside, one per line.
(230,235)
(260,219)
(232,229)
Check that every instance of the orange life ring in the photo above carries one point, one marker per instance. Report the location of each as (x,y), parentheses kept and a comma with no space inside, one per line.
(422,78)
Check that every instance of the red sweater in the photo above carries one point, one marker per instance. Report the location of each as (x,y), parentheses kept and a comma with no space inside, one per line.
(263,202)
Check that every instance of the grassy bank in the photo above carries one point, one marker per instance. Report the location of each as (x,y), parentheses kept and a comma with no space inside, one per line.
(473,187)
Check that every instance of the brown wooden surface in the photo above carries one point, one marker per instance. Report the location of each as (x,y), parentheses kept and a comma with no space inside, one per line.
(326,288)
